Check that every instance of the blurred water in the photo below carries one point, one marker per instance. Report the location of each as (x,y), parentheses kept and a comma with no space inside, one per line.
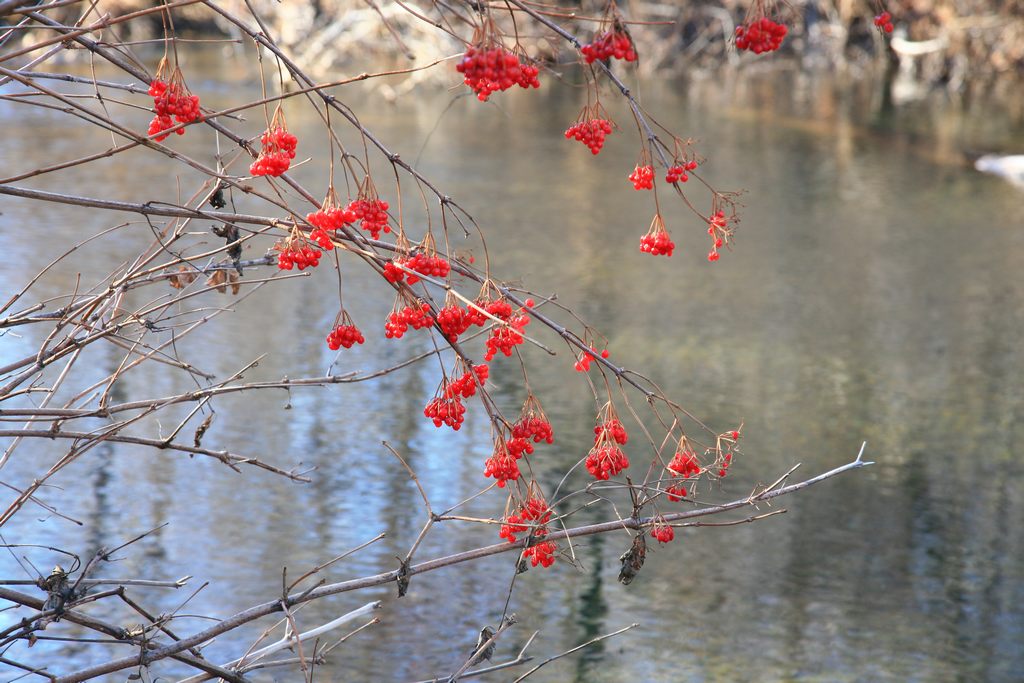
(874,295)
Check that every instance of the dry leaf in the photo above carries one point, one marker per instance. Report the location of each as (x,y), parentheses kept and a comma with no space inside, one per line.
(217,280)
(182,278)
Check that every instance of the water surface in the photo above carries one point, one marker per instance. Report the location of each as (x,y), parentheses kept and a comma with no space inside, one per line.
(875,294)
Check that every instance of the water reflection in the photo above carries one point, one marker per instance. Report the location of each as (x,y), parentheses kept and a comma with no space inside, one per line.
(873,296)
(593,610)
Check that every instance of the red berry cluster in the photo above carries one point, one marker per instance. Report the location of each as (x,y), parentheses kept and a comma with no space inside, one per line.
(614,43)
(344,336)
(533,423)
(298,254)
(586,358)
(372,214)
(726,461)
(657,241)
(519,446)
(158,125)
(533,513)
(277,152)
(534,427)
(730,439)
(679,173)
(684,464)
(415,314)
(502,464)
(490,303)
(676,492)
(392,272)
(884,22)
(657,244)
(718,228)
(465,385)
(329,218)
(611,430)
(172,103)
(453,321)
(662,531)
(322,238)
(506,337)
(489,69)
(543,554)
(446,409)
(590,132)
(423,264)
(430,265)
(760,35)
(606,461)
(642,177)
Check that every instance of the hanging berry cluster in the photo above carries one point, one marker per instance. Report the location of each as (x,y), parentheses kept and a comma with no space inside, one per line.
(592,126)
(369,209)
(465,385)
(679,172)
(428,265)
(502,463)
(684,464)
(642,177)
(506,337)
(534,512)
(720,232)
(425,262)
(542,553)
(725,445)
(328,219)
(490,69)
(591,132)
(613,42)
(606,459)
(277,148)
(172,102)
(657,241)
(883,22)
(532,517)
(488,66)
(662,530)
(295,252)
(345,333)
(760,35)
(407,312)
(533,423)
(446,408)
(452,319)
(586,358)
